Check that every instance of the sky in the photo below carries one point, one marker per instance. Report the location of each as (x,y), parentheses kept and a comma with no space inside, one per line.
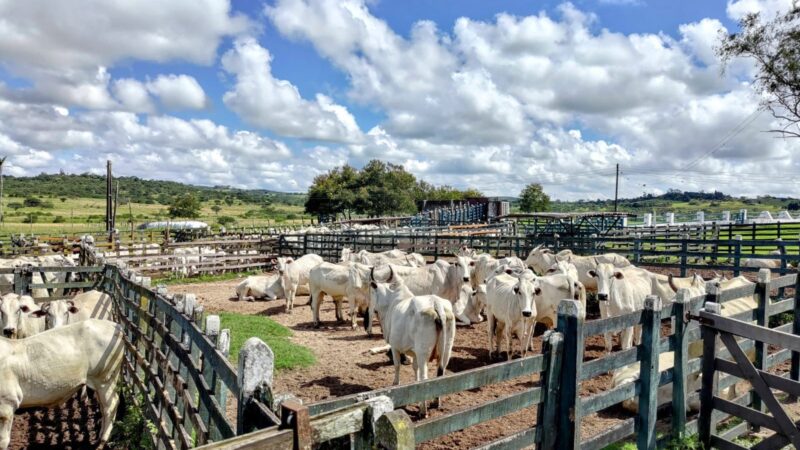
(471,93)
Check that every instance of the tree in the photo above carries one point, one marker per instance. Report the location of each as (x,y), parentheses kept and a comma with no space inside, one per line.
(775,46)
(533,198)
(185,206)
(216,208)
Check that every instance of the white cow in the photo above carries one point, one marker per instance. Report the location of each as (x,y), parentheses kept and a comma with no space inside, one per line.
(455,276)
(92,304)
(554,288)
(510,305)
(621,291)
(16,320)
(357,292)
(331,279)
(630,374)
(764,263)
(419,326)
(47,369)
(295,274)
(542,259)
(255,287)
(396,256)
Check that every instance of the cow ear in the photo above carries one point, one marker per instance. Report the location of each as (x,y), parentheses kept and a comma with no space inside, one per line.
(38,314)
(73,310)
(592,274)
(619,275)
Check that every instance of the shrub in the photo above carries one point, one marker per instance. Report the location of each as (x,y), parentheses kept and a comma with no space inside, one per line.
(59,219)
(15,205)
(32,202)
(30,218)
(292,216)
(226,220)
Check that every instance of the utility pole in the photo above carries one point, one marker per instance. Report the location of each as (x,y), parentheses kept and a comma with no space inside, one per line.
(2,216)
(616,190)
(109,201)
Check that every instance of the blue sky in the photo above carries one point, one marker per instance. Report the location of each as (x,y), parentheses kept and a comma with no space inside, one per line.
(472,93)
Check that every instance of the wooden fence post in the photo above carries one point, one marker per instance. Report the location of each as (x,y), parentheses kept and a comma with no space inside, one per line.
(552,348)
(649,373)
(570,325)
(737,254)
(256,366)
(295,416)
(784,264)
(212,331)
(795,369)
(706,425)
(762,296)
(395,431)
(684,251)
(680,361)
(637,248)
(378,406)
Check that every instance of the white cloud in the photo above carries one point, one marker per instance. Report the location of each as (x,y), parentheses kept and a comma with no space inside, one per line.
(768,9)
(178,91)
(64,47)
(132,95)
(274,104)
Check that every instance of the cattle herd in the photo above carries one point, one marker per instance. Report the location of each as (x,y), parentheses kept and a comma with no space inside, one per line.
(50,350)
(418,304)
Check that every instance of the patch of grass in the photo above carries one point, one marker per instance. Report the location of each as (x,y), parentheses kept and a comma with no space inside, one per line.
(622,446)
(204,278)
(287,354)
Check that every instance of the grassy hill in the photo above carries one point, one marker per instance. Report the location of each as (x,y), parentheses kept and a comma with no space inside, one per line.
(76,203)
(135,188)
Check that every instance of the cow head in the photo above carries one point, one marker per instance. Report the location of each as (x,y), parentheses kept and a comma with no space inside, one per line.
(525,289)
(57,313)
(604,273)
(283,264)
(464,266)
(540,259)
(14,310)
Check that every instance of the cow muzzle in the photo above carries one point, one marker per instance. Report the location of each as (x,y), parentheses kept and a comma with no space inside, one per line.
(527,313)
(9,332)
(602,297)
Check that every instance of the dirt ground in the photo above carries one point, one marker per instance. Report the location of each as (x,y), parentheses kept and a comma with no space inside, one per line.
(345,366)
(74,426)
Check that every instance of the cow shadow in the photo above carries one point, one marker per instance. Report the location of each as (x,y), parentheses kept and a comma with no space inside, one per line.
(336,387)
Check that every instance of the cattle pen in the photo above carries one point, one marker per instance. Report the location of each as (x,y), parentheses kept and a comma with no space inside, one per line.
(177,361)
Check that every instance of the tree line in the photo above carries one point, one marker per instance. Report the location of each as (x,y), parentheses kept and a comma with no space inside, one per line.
(378,189)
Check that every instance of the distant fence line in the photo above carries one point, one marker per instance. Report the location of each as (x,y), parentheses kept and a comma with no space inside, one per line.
(683,253)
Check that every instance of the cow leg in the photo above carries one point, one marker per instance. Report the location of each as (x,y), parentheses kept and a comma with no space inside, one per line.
(490,327)
(316,299)
(290,298)
(339,312)
(510,339)
(108,398)
(638,335)
(421,360)
(6,420)
(626,338)
(396,361)
(606,336)
(352,308)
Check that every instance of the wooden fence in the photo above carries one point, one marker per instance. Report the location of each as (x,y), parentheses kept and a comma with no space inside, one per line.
(715,327)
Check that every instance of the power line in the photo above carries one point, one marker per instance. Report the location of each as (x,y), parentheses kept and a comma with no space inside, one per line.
(731,134)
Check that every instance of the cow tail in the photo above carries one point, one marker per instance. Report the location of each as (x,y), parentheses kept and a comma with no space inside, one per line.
(445,330)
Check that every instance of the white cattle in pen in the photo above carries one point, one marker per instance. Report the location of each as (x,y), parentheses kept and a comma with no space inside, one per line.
(17,316)
(397,257)
(330,279)
(295,274)
(764,263)
(620,291)
(357,292)
(422,327)
(540,260)
(455,276)
(509,307)
(630,374)
(554,288)
(256,287)
(47,369)
(92,304)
